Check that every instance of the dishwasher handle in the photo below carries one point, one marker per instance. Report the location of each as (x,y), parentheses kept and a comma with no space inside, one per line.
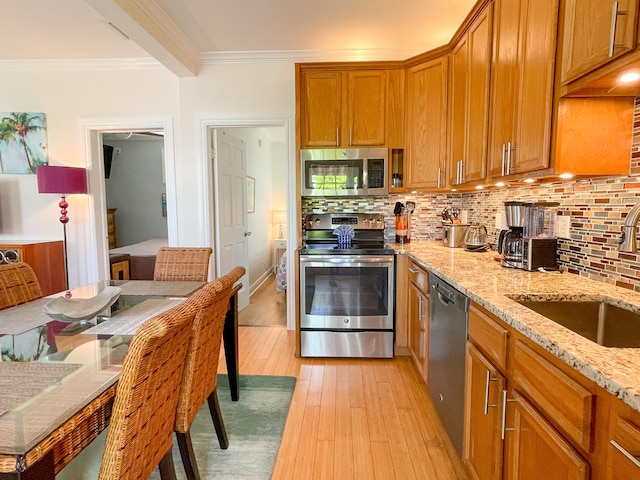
(448,295)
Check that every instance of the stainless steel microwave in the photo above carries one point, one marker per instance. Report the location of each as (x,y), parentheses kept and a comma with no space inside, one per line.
(334,172)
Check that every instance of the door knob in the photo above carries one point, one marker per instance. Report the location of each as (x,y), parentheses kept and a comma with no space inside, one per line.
(247,234)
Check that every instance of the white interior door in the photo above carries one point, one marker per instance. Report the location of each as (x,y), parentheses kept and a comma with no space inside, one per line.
(232,236)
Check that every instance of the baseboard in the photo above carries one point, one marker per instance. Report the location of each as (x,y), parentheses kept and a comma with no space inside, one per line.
(255,286)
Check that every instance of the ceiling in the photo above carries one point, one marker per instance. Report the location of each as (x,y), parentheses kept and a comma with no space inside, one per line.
(181,34)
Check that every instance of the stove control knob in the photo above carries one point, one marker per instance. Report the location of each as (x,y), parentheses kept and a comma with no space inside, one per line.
(317,221)
(346,320)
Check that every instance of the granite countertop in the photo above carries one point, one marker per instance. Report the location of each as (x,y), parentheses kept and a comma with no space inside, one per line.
(487,283)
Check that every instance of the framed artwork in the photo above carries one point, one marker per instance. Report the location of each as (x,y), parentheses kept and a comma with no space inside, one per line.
(23,142)
(251,195)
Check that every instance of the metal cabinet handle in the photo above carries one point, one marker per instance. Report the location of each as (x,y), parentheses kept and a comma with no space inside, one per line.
(486,393)
(509,148)
(503,163)
(412,270)
(624,451)
(439,172)
(337,136)
(614,25)
(504,414)
(351,136)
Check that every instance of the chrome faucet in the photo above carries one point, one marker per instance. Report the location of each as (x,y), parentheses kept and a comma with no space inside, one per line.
(627,242)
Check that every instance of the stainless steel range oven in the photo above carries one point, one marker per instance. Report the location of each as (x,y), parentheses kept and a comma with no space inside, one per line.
(346,293)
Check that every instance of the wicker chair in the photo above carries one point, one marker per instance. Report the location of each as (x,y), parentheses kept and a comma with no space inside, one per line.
(18,284)
(201,372)
(182,264)
(140,435)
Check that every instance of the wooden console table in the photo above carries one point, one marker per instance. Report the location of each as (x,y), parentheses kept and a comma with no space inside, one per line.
(47,260)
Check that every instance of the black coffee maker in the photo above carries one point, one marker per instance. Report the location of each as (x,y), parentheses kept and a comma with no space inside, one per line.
(511,241)
(530,242)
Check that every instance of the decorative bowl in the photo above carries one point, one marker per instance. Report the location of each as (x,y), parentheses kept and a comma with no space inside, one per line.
(73,309)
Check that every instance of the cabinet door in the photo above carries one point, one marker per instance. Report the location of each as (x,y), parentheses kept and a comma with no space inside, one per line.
(522,86)
(458,109)
(365,123)
(482,451)
(504,93)
(623,458)
(595,32)
(469,108)
(538,27)
(321,107)
(418,313)
(427,124)
(535,450)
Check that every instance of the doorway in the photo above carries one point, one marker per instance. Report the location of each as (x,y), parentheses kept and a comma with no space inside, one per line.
(96,237)
(269,186)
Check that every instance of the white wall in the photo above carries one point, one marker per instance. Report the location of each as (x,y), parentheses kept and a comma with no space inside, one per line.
(135,189)
(232,91)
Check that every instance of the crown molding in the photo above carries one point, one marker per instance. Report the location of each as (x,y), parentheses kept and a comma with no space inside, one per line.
(212,58)
(301,56)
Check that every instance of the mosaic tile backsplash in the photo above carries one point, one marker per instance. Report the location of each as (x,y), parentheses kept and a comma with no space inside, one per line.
(597,208)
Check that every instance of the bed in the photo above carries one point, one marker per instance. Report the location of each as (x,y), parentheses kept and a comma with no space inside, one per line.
(281,274)
(142,257)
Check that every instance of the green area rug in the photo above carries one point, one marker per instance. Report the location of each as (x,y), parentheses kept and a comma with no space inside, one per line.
(254,426)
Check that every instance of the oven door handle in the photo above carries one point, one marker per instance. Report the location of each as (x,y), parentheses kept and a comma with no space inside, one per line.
(350,260)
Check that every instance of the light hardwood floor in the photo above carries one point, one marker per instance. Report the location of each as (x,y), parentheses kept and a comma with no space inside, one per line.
(351,418)
(266,307)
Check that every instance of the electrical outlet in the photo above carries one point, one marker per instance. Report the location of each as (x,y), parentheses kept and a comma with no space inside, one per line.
(563,224)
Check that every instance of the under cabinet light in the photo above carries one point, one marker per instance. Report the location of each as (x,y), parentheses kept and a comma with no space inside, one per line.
(566,176)
(629,77)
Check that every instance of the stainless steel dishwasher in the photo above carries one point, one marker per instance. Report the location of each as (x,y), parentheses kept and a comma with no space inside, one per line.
(447,339)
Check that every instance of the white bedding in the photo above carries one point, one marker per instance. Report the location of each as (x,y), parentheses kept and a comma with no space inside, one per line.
(146,248)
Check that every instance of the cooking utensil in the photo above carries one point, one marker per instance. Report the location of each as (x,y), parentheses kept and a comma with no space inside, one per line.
(410,206)
(398,208)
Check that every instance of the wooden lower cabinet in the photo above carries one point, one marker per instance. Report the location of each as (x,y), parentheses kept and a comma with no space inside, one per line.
(528,415)
(535,450)
(484,387)
(623,443)
(418,317)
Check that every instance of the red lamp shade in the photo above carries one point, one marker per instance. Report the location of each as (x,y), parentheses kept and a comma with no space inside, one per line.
(61,180)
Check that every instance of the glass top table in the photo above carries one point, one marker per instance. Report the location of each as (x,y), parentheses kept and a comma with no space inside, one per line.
(53,371)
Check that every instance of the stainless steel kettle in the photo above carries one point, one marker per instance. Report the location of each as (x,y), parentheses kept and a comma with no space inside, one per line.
(476,238)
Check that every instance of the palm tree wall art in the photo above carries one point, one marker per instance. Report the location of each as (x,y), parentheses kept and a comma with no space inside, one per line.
(23,142)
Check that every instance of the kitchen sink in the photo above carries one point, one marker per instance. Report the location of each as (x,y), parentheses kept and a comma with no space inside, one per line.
(600,322)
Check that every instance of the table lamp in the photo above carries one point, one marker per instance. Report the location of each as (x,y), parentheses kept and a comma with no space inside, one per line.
(279,218)
(63,181)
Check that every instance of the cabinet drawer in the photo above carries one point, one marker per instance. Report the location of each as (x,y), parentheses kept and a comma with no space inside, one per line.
(623,459)
(566,403)
(489,336)
(419,277)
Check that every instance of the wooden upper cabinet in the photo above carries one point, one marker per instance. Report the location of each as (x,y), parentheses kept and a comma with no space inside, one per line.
(343,108)
(365,107)
(469,102)
(522,84)
(321,108)
(427,124)
(596,32)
